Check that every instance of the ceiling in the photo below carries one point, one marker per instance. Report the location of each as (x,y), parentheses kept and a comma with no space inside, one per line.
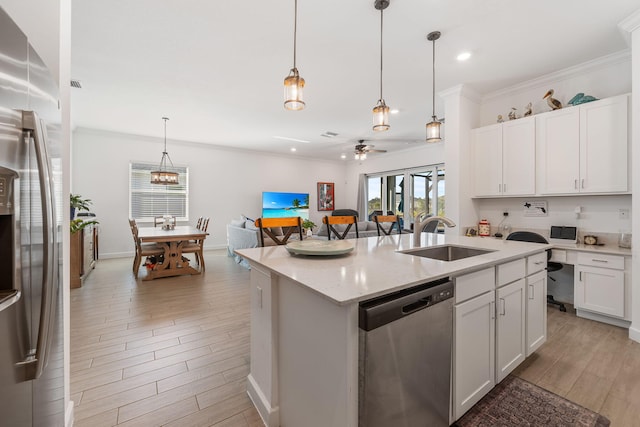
(216,68)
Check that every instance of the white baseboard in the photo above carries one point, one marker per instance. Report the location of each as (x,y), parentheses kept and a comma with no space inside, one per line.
(68,414)
(634,334)
(604,319)
(270,416)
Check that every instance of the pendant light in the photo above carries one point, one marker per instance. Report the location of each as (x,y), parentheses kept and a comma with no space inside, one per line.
(162,176)
(293,83)
(434,126)
(381,111)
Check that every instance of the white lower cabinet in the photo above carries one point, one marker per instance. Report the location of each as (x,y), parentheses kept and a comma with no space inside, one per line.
(510,328)
(536,291)
(474,344)
(599,284)
(499,319)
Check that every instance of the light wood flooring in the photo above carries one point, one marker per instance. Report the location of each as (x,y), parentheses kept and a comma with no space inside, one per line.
(175,352)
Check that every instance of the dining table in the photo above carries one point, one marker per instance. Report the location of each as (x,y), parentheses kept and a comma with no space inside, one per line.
(172,241)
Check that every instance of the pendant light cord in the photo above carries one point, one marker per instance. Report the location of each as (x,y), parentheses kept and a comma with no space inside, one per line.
(295,31)
(381,28)
(433,87)
(165,133)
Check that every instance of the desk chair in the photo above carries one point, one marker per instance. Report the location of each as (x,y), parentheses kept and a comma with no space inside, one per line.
(346,220)
(292,224)
(392,220)
(142,249)
(528,236)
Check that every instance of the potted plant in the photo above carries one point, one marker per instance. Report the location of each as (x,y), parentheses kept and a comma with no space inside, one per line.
(307,224)
(77,203)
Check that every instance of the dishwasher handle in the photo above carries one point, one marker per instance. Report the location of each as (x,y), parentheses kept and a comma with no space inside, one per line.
(388,308)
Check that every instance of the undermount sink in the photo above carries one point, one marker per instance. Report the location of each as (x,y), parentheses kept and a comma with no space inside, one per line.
(446,253)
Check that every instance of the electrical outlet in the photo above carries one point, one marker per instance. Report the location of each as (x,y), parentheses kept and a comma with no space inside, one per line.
(505,213)
(623,213)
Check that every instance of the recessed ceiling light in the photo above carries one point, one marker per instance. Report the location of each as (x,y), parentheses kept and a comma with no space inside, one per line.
(286,138)
(394,111)
(343,156)
(293,149)
(464,56)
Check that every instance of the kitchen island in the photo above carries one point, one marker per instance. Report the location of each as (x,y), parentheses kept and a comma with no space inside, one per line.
(304,316)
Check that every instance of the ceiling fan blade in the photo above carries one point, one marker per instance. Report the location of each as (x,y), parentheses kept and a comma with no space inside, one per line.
(377,151)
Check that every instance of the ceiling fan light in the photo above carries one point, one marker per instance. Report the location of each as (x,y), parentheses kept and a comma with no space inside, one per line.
(433,130)
(380,116)
(293,91)
(360,156)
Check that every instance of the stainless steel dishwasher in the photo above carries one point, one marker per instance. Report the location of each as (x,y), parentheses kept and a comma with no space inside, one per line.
(405,357)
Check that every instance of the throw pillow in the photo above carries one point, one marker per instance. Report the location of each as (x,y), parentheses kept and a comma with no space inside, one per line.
(238,223)
(250,225)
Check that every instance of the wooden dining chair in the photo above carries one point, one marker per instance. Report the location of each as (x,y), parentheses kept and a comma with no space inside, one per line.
(385,224)
(199,223)
(347,220)
(142,249)
(291,225)
(197,246)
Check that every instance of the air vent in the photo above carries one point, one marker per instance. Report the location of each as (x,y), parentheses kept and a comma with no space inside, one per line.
(329,134)
(76,84)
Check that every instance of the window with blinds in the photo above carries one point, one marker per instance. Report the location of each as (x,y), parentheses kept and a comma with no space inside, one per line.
(147,200)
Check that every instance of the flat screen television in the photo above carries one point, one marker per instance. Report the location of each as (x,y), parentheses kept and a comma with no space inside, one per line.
(281,205)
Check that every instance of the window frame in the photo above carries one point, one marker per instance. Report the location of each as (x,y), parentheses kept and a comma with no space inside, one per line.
(145,168)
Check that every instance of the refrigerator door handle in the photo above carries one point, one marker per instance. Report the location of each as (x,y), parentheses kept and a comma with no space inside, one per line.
(37,362)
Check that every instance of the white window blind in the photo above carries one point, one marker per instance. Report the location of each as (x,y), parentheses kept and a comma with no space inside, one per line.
(147,200)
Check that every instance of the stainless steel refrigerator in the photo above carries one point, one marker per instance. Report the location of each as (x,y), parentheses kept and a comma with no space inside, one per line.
(31,340)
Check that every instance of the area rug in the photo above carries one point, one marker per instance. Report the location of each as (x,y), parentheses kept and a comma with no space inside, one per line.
(516,402)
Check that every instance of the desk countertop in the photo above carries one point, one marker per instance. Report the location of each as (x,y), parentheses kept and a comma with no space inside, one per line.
(605,249)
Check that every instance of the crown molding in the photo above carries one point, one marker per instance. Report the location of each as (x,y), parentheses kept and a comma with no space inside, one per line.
(461,90)
(567,73)
(629,25)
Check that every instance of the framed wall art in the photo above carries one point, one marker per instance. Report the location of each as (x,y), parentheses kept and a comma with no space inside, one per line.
(326,196)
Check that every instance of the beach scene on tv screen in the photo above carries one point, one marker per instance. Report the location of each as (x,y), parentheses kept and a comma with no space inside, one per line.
(282,205)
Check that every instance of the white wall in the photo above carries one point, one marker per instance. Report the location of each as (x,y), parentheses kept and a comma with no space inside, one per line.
(602,78)
(600,214)
(223,183)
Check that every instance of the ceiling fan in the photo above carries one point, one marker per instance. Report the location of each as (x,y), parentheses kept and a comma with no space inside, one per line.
(362,149)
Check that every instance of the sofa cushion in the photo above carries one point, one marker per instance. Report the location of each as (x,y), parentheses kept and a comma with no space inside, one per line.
(277,231)
(250,225)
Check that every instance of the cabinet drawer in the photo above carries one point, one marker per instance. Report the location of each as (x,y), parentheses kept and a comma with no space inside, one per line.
(537,262)
(511,271)
(598,260)
(472,284)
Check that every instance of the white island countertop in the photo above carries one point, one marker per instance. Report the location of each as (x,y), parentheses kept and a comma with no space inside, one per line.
(376,267)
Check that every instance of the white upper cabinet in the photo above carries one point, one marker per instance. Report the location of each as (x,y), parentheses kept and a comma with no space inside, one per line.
(558,143)
(504,158)
(518,157)
(584,149)
(487,158)
(603,145)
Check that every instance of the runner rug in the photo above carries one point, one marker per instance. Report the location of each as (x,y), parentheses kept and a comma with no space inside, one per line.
(516,402)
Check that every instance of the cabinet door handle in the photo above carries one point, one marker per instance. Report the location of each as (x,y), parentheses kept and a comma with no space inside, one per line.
(499,188)
(504,309)
(575,184)
(580,277)
(504,188)
(531,291)
(582,183)
(493,309)
(539,262)
(599,260)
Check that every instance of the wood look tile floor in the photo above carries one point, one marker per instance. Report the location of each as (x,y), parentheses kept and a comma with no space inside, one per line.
(175,352)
